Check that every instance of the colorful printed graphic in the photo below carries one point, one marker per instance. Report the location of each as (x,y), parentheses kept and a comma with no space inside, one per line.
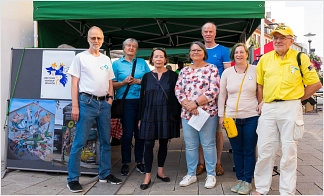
(31,129)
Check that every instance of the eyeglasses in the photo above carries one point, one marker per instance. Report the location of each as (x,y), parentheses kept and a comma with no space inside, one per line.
(280,28)
(283,38)
(195,50)
(131,45)
(94,38)
(158,49)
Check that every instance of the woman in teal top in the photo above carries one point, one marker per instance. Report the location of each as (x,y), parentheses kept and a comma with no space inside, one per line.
(122,70)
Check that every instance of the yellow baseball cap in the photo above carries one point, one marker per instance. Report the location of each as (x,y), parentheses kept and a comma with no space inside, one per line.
(283,30)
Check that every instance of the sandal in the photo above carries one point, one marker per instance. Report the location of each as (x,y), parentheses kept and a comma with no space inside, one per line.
(200,168)
(219,170)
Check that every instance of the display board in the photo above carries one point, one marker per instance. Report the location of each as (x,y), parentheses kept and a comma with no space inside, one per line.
(40,128)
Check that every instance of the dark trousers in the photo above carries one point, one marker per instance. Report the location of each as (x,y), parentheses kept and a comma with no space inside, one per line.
(148,154)
(130,128)
(244,145)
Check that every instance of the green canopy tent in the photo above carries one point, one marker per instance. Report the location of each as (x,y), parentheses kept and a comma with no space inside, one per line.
(169,24)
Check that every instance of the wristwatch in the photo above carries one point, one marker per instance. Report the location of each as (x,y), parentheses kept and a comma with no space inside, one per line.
(196,103)
(111,97)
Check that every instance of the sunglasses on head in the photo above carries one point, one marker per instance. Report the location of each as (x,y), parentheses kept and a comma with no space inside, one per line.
(158,49)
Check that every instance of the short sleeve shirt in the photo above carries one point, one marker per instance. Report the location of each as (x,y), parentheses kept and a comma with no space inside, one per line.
(218,55)
(281,78)
(93,72)
(122,69)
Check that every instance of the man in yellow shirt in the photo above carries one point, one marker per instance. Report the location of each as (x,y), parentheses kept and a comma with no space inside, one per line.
(281,87)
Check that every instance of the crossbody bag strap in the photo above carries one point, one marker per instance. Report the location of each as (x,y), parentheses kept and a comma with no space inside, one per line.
(239,94)
(159,84)
(128,86)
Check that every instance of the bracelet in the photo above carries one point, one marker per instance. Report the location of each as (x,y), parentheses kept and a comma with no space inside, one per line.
(196,103)
(111,97)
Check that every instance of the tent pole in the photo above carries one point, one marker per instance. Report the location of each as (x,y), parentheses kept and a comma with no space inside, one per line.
(35,34)
(262,37)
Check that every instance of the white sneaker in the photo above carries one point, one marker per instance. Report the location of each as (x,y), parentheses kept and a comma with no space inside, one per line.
(210,182)
(187,180)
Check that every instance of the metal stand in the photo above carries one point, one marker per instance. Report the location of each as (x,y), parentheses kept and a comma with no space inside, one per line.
(275,170)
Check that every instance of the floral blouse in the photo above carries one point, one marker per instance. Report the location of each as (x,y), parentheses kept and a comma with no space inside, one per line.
(193,83)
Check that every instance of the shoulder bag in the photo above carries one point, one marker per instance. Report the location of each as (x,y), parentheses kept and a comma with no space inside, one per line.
(229,123)
(117,107)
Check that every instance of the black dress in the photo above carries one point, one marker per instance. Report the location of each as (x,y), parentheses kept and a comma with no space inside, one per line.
(158,120)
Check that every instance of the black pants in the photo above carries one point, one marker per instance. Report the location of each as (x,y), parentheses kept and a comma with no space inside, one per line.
(148,153)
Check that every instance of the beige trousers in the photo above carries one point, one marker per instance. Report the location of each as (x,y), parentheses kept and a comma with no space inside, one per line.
(277,123)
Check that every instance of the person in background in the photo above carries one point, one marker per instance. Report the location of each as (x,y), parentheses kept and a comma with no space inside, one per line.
(122,70)
(92,92)
(180,66)
(198,86)
(159,113)
(281,88)
(243,109)
(169,67)
(219,56)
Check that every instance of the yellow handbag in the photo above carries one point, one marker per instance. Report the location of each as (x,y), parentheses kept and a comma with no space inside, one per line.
(230,127)
(229,123)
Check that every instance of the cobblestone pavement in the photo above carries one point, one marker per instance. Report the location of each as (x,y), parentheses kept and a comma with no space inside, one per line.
(309,180)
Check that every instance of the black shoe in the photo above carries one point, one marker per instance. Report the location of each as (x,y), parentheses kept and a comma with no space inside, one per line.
(165,179)
(74,186)
(145,186)
(112,179)
(140,168)
(124,170)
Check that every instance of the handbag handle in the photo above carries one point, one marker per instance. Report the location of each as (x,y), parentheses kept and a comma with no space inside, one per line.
(239,94)
(159,84)
(128,86)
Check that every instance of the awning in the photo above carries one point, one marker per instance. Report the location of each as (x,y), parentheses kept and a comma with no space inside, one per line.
(170,24)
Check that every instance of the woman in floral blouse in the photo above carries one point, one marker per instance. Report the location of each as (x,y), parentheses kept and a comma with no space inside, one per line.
(198,86)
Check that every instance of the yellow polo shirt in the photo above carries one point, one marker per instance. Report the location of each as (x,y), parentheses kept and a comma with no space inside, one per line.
(281,79)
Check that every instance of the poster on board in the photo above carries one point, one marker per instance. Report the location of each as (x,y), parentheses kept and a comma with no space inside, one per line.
(41,133)
(31,129)
(56,83)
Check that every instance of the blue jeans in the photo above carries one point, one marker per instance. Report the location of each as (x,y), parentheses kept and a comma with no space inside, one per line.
(243,147)
(206,136)
(130,126)
(91,110)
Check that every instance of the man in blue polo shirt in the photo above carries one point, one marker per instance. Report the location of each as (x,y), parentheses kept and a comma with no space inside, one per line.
(219,56)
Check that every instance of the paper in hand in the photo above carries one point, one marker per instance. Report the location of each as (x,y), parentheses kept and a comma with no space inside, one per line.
(198,121)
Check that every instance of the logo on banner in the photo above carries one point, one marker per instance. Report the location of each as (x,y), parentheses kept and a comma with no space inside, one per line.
(57,73)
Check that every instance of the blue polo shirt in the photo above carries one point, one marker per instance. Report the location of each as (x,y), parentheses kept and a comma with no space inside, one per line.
(122,69)
(217,56)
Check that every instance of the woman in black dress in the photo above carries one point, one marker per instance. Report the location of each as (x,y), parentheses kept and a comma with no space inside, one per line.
(159,113)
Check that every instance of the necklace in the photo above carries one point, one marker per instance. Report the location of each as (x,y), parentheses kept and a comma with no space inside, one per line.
(244,70)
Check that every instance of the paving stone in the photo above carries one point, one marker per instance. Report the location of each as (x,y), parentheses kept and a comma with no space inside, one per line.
(317,178)
(309,188)
(12,188)
(308,170)
(319,168)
